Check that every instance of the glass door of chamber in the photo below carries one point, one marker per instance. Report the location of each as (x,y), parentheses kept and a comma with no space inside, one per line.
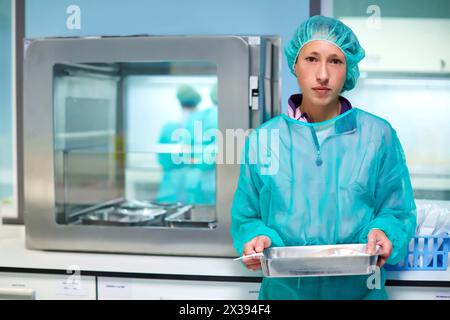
(135,144)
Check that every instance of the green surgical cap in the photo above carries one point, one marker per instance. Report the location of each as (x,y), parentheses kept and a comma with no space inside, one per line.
(333,31)
(188,96)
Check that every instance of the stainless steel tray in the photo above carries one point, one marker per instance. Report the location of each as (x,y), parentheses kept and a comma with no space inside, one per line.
(315,261)
(193,217)
(113,216)
(137,204)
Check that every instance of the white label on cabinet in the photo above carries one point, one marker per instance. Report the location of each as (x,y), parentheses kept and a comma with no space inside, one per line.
(254,41)
(116,289)
(68,287)
(443,296)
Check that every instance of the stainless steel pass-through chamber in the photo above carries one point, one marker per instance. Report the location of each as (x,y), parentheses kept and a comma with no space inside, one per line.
(121,147)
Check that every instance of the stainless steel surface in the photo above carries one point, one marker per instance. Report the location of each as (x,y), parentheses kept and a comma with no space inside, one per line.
(231,54)
(315,261)
(264,95)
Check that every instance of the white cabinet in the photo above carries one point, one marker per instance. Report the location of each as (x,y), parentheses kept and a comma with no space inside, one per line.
(61,287)
(159,289)
(46,286)
(403,44)
(418,293)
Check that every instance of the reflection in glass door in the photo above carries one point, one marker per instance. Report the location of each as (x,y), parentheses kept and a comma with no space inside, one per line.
(135,144)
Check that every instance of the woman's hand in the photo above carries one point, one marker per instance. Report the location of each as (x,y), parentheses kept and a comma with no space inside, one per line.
(256,245)
(378,237)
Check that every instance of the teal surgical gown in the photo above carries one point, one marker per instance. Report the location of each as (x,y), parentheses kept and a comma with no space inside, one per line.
(201,176)
(300,192)
(171,188)
(193,182)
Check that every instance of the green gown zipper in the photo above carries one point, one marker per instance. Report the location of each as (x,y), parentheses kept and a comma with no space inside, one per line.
(316,142)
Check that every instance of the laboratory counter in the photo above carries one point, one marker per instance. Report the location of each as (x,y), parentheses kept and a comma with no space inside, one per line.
(112,276)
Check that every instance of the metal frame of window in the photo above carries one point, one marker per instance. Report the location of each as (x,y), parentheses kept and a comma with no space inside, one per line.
(315,7)
(18,33)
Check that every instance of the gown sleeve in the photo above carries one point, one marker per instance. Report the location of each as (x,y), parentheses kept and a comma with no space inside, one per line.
(395,210)
(246,221)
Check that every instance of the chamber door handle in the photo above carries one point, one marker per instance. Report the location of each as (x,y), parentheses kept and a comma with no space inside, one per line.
(254,93)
